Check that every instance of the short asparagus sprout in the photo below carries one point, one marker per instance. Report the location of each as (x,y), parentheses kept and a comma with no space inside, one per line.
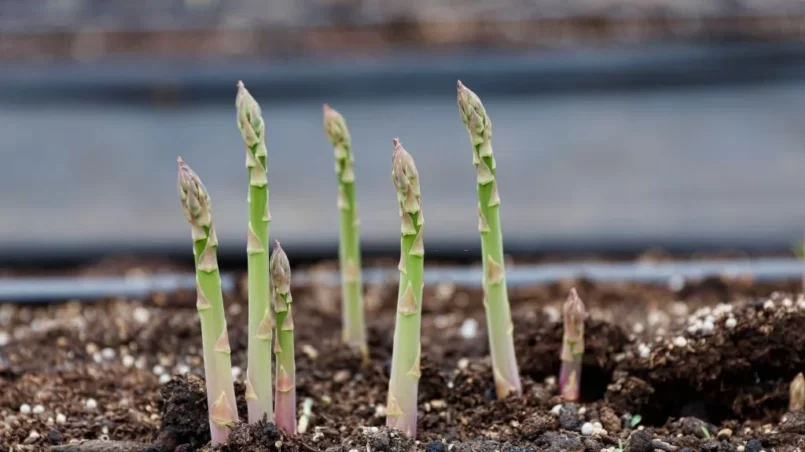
(210,304)
(797,396)
(259,398)
(285,409)
(572,347)
(496,298)
(349,251)
(401,404)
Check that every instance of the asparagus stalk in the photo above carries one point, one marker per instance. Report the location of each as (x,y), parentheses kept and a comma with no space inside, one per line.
(285,410)
(572,347)
(401,405)
(797,396)
(496,298)
(258,374)
(349,250)
(221,403)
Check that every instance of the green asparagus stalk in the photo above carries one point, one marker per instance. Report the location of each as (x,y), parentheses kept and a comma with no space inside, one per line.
(349,250)
(797,396)
(401,405)
(572,347)
(221,403)
(285,410)
(496,298)
(258,374)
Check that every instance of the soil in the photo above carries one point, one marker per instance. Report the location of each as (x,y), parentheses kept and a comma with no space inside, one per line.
(696,365)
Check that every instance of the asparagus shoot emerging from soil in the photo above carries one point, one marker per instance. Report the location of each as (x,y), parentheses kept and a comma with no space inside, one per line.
(572,347)
(210,304)
(496,298)
(349,248)
(258,374)
(401,406)
(797,396)
(285,410)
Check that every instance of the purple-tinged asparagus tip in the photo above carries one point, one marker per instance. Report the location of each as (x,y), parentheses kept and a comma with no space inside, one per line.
(193,195)
(572,346)
(280,269)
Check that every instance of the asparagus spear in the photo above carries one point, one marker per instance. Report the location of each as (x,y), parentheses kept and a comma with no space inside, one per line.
(572,347)
(349,251)
(496,298)
(401,406)
(797,393)
(285,410)
(210,304)
(258,374)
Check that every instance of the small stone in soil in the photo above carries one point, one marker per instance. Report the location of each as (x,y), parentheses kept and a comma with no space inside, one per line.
(54,437)
(61,419)
(754,445)
(91,404)
(25,408)
(568,417)
(434,446)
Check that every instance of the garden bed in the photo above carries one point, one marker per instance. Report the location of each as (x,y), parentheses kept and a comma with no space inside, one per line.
(129,371)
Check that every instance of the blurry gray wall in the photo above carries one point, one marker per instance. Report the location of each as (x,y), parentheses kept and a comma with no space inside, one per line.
(697,164)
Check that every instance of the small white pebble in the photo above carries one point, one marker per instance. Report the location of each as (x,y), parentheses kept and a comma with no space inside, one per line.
(463,363)
(708,327)
(108,353)
(49,421)
(25,408)
(469,329)
(656,316)
(34,434)
(158,370)
(582,410)
(105,430)
(4,338)
(731,323)
(141,315)
(550,381)
(740,449)
(97,357)
(557,409)
(61,419)
(91,404)
(164,378)
(643,350)
(182,369)
(236,372)
(597,425)
(695,327)
(680,341)
(128,360)
(587,429)
(768,305)
(553,314)
(638,328)
(710,318)
(787,302)
(38,409)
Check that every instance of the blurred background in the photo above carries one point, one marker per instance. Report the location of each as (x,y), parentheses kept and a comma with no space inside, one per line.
(619,125)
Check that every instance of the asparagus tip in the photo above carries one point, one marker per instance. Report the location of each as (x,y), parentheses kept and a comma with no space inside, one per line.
(797,396)
(280,269)
(574,308)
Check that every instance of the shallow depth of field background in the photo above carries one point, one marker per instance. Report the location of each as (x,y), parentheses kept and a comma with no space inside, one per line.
(617,123)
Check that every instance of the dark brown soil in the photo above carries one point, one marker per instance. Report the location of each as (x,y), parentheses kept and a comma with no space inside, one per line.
(91,372)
